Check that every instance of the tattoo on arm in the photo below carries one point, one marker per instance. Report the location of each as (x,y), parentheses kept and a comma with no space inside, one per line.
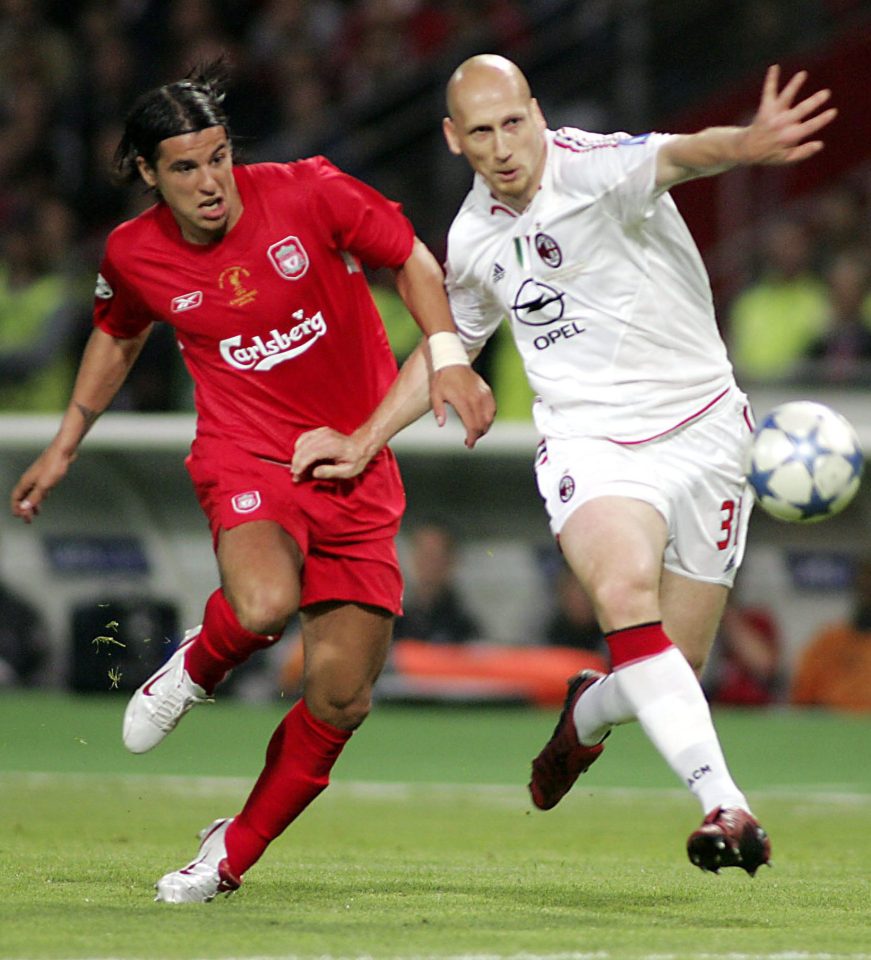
(89,417)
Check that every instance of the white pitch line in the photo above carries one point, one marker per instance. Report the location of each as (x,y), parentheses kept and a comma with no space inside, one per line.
(823,794)
(593,955)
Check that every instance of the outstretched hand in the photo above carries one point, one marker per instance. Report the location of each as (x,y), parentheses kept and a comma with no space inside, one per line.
(37,481)
(779,132)
(468,394)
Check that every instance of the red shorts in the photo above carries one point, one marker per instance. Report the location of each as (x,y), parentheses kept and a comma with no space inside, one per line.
(345,529)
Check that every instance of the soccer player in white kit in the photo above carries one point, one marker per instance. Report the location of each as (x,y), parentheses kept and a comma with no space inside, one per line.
(572,236)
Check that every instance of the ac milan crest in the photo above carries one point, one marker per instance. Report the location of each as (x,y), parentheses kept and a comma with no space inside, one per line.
(548,249)
(566,488)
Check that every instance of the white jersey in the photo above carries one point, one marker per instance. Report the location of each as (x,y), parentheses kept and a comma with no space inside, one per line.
(605,290)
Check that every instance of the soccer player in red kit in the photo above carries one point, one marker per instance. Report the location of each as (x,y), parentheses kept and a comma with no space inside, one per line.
(258,269)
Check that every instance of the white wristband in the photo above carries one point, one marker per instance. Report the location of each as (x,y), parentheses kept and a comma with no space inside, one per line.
(447,350)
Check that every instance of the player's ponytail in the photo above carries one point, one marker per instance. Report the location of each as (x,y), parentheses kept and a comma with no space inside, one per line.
(185,106)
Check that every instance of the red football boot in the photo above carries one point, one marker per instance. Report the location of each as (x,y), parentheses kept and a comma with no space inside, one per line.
(563,758)
(729,837)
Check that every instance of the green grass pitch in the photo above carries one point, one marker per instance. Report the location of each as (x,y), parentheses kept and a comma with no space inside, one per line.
(426,845)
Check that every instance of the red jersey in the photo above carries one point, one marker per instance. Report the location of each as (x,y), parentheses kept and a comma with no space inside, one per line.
(275,321)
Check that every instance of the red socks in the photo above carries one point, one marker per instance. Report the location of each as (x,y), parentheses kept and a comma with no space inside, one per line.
(299,759)
(630,644)
(222,644)
(300,754)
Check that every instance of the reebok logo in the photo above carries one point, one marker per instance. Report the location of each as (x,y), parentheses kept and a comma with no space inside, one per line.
(262,354)
(187,301)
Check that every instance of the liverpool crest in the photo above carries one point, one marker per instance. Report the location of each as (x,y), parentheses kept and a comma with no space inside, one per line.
(289,258)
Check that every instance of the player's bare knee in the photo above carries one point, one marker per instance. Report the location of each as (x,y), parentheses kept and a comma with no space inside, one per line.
(622,603)
(352,715)
(264,608)
(344,710)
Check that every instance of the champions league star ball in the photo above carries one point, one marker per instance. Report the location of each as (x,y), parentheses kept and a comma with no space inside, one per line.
(804,462)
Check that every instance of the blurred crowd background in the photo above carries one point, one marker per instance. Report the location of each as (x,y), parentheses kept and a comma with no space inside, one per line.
(362,81)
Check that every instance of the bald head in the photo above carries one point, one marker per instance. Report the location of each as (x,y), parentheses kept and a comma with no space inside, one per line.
(484,76)
(496,124)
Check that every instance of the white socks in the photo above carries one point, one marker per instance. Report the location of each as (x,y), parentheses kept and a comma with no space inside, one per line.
(663,694)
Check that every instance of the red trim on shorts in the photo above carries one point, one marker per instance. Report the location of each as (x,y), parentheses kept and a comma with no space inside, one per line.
(677,426)
(629,644)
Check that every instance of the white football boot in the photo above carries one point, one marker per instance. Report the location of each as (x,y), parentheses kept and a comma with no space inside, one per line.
(206,876)
(164,698)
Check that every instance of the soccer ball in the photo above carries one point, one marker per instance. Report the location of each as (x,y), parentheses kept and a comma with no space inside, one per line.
(804,462)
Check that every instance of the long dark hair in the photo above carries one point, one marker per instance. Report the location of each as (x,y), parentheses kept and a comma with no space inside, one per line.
(185,106)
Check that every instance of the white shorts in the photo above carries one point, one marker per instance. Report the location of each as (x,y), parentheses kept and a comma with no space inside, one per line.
(693,476)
